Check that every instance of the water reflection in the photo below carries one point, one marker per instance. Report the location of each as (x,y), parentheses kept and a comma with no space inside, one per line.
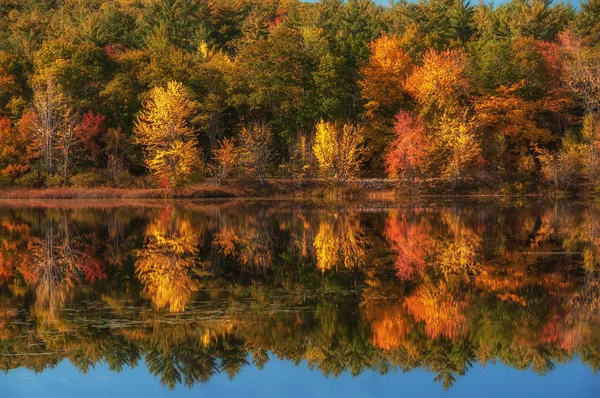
(197,289)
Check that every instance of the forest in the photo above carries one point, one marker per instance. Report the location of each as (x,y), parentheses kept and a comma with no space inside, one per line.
(165,93)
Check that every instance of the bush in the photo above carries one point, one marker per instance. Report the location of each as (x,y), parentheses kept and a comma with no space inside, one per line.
(125,180)
(28,180)
(54,181)
(88,179)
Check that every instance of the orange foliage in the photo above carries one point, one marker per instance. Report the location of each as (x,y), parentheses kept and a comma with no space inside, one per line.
(440,83)
(411,242)
(389,324)
(510,115)
(441,309)
(384,76)
(408,152)
(13,149)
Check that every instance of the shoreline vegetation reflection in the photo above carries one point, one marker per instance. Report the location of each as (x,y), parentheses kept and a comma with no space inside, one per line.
(196,289)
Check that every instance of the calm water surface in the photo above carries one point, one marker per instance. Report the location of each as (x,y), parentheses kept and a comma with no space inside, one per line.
(292,299)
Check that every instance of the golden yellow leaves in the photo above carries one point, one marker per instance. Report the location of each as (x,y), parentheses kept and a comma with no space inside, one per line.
(170,144)
(164,265)
(339,242)
(440,83)
(338,150)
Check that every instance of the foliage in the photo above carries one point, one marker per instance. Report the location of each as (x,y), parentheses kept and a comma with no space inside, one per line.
(77,79)
(562,168)
(162,128)
(338,149)
(226,157)
(439,85)
(407,154)
(256,153)
(195,289)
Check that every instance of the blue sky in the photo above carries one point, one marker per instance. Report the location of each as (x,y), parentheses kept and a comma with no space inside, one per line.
(282,379)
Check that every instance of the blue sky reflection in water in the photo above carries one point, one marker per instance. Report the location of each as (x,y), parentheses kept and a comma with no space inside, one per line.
(283,379)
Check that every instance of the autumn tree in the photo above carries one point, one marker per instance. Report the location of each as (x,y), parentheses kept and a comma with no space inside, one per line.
(562,168)
(90,133)
(590,134)
(407,153)
(383,78)
(256,149)
(47,120)
(226,158)
(440,85)
(13,151)
(582,71)
(68,140)
(163,130)
(338,149)
(383,90)
(457,148)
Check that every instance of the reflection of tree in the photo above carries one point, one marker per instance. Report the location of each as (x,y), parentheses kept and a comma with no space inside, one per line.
(248,240)
(165,264)
(441,308)
(340,242)
(13,241)
(54,267)
(480,286)
(410,241)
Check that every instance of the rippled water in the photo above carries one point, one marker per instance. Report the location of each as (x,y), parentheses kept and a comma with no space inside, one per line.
(103,295)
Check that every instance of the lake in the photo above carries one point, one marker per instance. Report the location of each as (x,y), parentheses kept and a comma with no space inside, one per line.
(278,298)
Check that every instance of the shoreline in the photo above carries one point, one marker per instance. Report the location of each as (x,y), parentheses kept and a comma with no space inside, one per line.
(374,189)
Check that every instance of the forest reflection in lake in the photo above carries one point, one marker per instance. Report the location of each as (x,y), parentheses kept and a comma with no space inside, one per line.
(196,289)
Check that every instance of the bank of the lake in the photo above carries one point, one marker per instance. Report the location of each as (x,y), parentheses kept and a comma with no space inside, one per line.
(277,188)
(239,188)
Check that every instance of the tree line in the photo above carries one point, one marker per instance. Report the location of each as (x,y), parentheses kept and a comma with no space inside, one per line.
(169,92)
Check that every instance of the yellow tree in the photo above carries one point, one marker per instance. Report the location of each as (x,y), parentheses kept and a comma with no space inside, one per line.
(339,151)
(226,157)
(169,142)
(458,147)
(439,85)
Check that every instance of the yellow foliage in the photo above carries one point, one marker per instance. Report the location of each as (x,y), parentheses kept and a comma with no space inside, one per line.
(169,143)
(338,151)
(165,262)
(226,158)
(339,242)
(440,82)
(456,141)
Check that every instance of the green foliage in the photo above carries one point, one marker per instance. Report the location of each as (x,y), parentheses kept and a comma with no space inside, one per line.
(88,179)
(520,72)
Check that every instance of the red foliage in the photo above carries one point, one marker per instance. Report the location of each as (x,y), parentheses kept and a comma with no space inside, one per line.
(410,241)
(91,266)
(408,152)
(89,131)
